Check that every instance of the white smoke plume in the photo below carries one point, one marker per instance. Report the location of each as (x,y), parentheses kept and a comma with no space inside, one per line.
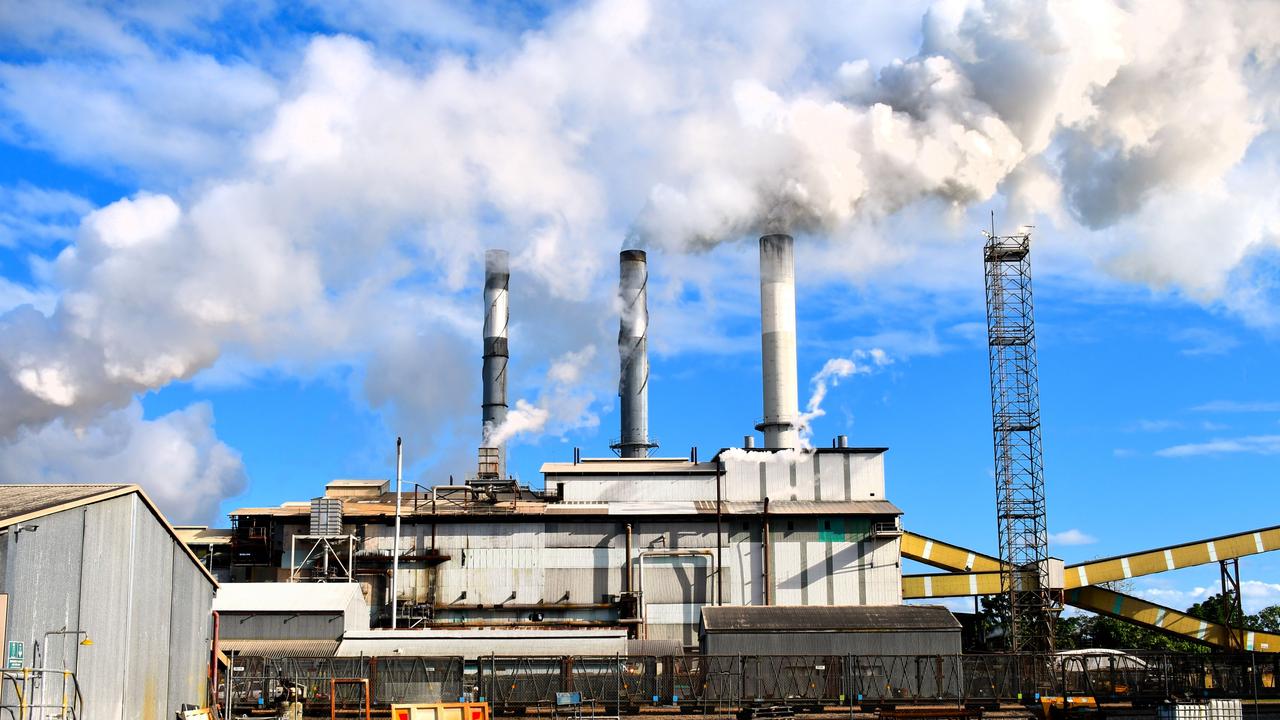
(331,209)
(860,362)
(564,403)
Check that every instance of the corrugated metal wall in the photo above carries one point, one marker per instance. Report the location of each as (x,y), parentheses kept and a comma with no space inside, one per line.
(889,642)
(282,626)
(825,560)
(112,570)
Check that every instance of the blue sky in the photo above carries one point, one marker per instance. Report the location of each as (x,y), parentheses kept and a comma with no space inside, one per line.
(240,244)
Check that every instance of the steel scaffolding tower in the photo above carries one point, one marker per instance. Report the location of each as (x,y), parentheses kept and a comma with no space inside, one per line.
(1015,413)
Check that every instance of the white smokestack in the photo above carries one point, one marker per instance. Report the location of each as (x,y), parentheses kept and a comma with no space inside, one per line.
(778,342)
(497,276)
(633,351)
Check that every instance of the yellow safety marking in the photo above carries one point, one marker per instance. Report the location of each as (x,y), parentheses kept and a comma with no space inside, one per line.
(945,555)
(950,585)
(1140,612)
(1173,557)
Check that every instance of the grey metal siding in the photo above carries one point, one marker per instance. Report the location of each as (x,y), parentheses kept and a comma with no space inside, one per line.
(147,669)
(107,571)
(111,569)
(281,626)
(897,642)
(189,633)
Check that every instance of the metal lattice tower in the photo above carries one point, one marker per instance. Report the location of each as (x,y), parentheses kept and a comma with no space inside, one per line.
(1015,412)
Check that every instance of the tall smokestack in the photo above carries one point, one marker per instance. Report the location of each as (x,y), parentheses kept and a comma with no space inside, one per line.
(778,342)
(497,276)
(633,351)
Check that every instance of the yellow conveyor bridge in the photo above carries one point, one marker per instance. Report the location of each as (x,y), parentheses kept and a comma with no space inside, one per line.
(971,573)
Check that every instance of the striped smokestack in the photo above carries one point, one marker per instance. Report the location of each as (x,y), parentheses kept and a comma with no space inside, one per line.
(497,276)
(633,352)
(778,342)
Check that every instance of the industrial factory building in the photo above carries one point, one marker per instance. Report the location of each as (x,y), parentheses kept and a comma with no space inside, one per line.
(630,547)
(96,582)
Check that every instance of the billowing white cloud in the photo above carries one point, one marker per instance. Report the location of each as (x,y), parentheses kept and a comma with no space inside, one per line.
(334,209)
(176,458)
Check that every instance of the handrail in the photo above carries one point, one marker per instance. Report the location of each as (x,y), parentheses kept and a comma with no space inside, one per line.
(31,678)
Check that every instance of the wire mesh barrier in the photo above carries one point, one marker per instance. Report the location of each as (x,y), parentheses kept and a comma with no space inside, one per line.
(726,683)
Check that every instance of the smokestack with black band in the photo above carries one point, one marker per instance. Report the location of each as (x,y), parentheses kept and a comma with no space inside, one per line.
(633,352)
(778,342)
(497,276)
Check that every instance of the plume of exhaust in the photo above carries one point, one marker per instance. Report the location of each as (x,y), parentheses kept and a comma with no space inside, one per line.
(861,362)
(564,402)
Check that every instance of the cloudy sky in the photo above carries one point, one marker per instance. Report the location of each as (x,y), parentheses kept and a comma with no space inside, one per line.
(241,242)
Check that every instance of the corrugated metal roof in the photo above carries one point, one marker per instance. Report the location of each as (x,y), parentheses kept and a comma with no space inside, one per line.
(280,648)
(201,535)
(637,466)
(35,500)
(654,647)
(285,597)
(835,507)
(849,618)
(525,509)
(21,503)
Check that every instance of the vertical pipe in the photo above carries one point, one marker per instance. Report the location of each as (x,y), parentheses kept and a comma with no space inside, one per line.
(765,590)
(633,354)
(778,342)
(719,542)
(497,278)
(627,575)
(395,541)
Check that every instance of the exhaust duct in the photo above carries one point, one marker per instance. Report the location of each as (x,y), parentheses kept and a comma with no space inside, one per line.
(633,354)
(778,342)
(497,277)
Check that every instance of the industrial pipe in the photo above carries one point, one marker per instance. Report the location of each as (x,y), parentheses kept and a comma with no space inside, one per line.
(497,278)
(666,553)
(633,354)
(778,342)
(764,556)
(395,541)
(627,575)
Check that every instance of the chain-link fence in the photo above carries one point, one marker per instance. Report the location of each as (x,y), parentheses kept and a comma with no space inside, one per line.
(726,683)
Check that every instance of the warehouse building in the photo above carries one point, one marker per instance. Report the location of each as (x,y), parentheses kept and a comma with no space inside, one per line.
(884,630)
(96,582)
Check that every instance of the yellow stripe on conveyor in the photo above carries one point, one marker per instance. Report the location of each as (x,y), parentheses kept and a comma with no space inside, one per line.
(1171,558)
(950,585)
(1140,612)
(945,555)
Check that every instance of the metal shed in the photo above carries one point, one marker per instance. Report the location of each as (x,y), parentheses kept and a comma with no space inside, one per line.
(100,563)
(280,620)
(830,630)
